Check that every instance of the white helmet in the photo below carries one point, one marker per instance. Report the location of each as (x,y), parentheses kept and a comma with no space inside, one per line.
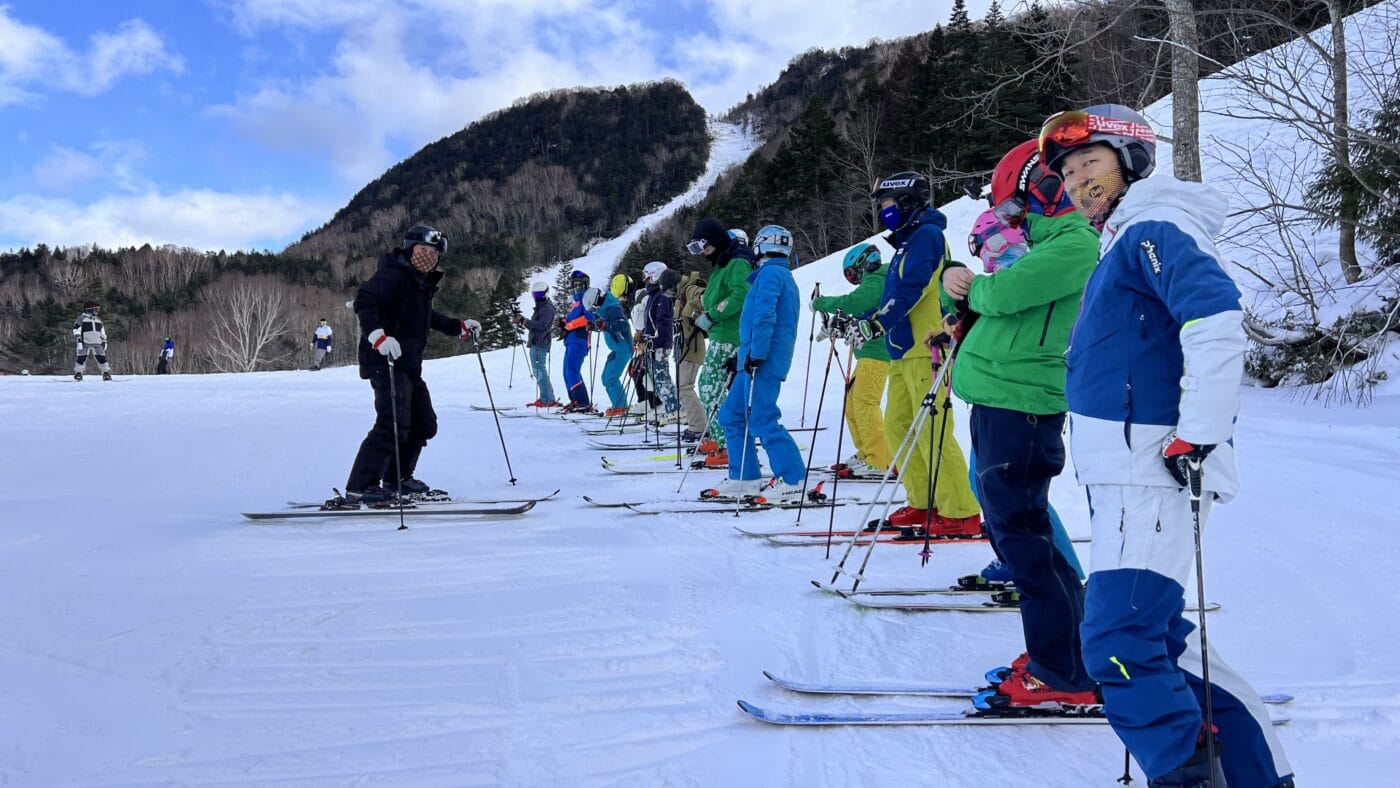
(652,271)
(591,298)
(539,286)
(735,232)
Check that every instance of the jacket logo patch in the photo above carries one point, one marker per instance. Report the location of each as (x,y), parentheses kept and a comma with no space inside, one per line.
(1151,250)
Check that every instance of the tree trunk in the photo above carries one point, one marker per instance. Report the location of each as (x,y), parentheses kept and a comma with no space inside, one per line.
(1186,102)
(1341,142)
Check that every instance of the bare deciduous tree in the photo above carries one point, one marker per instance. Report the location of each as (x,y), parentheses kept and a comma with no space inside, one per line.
(246,321)
(1186,102)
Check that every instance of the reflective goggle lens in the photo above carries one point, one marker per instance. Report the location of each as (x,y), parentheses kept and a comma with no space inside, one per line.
(1011,211)
(696,246)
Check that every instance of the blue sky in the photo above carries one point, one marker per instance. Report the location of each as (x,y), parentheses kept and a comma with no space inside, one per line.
(244,123)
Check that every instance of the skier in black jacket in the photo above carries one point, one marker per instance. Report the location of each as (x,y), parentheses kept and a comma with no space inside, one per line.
(395,308)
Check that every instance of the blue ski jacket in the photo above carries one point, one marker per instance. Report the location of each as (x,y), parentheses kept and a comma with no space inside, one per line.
(768,324)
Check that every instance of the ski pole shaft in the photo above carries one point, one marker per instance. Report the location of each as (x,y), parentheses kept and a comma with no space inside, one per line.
(816,427)
(744,447)
(709,419)
(514,351)
(811,338)
(494,414)
(1193,467)
(849,375)
(935,464)
(398,464)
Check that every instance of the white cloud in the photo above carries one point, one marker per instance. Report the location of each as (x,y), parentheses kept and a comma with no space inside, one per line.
(32,58)
(63,169)
(110,164)
(406,72)
(196,218)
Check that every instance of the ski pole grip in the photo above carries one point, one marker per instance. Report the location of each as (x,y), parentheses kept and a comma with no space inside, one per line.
(1193,477)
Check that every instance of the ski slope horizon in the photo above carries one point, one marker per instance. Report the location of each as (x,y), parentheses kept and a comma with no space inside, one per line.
(150,635)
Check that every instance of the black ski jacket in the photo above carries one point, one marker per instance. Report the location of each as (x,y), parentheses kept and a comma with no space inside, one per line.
(541,324)
(399,300)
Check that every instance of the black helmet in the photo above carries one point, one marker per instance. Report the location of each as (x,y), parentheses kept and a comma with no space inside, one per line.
(668,280)
(578,281)
(423,234)
(909,190)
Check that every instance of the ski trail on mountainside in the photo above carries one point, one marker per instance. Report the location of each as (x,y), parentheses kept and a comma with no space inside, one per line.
(729,146)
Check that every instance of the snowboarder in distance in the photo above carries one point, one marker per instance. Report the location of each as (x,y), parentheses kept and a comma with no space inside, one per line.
(91,339)
(1013,328)
(166,357)
(395,310)
(321,343)
(1156,455)
(540,328)
(863,268)
(767,334)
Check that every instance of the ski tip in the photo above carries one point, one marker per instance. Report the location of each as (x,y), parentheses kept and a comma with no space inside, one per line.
(768,675)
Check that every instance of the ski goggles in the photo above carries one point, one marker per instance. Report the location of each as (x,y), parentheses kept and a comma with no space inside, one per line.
(697,246)
(1073,128)
(1011,211)
(992,239)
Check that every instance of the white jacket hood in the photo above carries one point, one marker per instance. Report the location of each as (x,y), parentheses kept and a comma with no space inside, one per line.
(1190,205)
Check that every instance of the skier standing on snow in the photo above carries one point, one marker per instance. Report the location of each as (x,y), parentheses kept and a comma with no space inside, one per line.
(909,310)
(617,334)
(637,370)
(166,357)
(576,341)
(540,328)
(395,310)
(724,303)
(90,337)
(1010,368)
(321,342)
(865,391)
(767,334)
(690,305)
(658,333)
(1153,402)
(999,245)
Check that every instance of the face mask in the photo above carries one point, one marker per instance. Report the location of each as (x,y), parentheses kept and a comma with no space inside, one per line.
(423,261)
(890,217)
(1006,259)
(1096,197)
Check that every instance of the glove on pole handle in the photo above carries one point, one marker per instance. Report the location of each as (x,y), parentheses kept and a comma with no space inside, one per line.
(398,467)
(1193,476)
(494,414)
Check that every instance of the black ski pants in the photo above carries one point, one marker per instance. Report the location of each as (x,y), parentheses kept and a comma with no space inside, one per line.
(417,425)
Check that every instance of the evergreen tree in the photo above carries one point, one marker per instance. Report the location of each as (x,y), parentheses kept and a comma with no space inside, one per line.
(994,17)
(1370,189)
(563,297)
(958,20)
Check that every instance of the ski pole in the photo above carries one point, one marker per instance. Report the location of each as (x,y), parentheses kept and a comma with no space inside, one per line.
(849,374)
(1193,475)
(514,351)
(398,466)
(816,427)
(497,416)
(592,374)
(934,466)
(811,338)
(677,385)
(744,447)
(709,419)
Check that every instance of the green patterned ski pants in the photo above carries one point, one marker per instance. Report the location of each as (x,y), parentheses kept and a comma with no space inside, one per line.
(712,379)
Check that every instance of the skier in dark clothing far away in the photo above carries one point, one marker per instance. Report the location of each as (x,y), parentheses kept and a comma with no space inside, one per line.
(167,355)
(395,309)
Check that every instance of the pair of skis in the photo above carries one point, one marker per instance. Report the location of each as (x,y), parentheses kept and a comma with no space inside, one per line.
(452,507)
(900,599)
(970,716)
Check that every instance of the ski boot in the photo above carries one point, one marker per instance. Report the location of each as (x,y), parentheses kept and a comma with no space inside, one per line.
(77,376)
(1196,771)
(905,520)
(615,413)
(980,583)
(106,376)
(732,490)
(956,527)
(1015,692)
(690,436)
(415,490)
(1008,598)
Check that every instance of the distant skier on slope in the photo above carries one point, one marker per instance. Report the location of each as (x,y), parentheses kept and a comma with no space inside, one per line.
(166,357)
(321,341)
(1010,368)
(540,328)
(1153,408)
(90,337)
(767,334)
(395,310)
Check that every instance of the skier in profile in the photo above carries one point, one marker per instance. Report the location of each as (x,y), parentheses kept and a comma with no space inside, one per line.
(321,343)
(167,356)
(90,337)
(395,309)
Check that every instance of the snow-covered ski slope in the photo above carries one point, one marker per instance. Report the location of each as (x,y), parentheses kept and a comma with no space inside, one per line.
(150,635)
(729,145)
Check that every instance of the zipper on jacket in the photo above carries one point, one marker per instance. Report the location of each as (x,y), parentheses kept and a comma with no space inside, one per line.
(1142,325)
(1046,330)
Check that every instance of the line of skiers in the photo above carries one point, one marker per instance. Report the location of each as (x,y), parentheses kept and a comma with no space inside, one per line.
(1103,301)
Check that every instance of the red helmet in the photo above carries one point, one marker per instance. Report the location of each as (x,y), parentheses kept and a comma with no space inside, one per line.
(1020,185)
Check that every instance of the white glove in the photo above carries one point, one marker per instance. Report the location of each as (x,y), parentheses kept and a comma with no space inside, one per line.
(80,346)
(470,328)
(385,344)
